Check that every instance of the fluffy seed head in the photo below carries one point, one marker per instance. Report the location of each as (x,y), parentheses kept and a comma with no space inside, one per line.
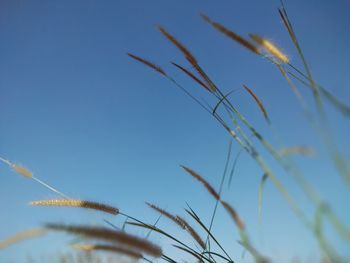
(270,48)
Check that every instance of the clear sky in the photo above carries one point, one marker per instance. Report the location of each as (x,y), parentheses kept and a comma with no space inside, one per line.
(87,119)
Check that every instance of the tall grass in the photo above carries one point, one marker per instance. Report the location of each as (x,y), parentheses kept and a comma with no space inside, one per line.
(204,246)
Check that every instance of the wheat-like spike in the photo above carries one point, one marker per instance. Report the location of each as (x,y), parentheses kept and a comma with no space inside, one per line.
(191,231)
(166,214)
(190,58)
(258,101)
(195,175)
(188,55)
(232,35)
(270,48)
(148,63)
(106,234)
(234,215)
(31,233)
(77,203)
(188,73)
(108,248)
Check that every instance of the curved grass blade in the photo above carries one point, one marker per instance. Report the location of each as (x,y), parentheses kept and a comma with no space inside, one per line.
(261,190)
(234,166)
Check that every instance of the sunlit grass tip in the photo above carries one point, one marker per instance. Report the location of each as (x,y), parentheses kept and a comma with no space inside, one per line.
(270,48)
(77,203)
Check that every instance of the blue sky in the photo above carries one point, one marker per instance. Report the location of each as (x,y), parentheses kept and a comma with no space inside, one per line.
(85,118)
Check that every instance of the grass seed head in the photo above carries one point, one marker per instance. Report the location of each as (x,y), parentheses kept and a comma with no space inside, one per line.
(270,48)
(77,203)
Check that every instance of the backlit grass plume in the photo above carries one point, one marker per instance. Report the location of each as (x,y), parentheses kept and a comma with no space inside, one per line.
(114,236)
(270,48)
(77,203)
(21,236)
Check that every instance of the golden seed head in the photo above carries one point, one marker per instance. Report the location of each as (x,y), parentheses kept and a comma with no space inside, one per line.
(77,203)
(22,170)
(270,48)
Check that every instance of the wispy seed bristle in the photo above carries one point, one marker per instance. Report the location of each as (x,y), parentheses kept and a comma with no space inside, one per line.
(106,234)
(208,186)
(242,41)
(77,203)
(270,48)
(148,63)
